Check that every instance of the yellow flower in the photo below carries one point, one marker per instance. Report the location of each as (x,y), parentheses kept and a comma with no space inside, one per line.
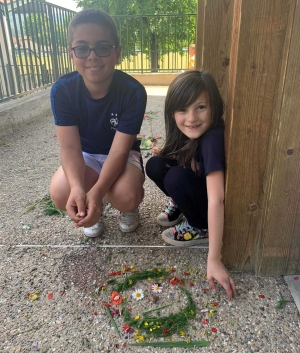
(149,279)
(146,324)
(161,277)
(212,312)
(130,281)
(158,270)
(131,267)
(140,338)
(150,329)
(34,297)
(182,333)
(25,314)
(187,236)
(136,317)
(192,312)
(188,340)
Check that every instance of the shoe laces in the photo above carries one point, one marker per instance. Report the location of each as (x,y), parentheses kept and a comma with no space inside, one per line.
(183,228)
(171,207)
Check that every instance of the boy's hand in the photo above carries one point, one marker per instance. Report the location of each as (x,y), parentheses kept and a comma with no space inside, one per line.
(93,210)
(76,205)
(217,271)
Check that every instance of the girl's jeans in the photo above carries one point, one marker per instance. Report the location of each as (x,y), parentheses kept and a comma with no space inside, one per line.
(187,189)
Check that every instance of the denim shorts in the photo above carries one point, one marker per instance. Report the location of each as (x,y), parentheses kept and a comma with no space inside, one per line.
(96,161)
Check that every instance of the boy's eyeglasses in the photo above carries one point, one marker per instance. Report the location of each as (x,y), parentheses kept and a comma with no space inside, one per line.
(83,51)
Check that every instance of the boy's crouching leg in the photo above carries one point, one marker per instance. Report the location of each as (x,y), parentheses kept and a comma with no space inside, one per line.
(59,189)
(125,195)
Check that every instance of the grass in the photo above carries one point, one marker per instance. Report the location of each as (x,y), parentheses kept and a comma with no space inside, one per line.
(48,205)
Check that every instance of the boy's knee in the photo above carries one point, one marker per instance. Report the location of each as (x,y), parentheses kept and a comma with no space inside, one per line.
(58,198)
(129,200)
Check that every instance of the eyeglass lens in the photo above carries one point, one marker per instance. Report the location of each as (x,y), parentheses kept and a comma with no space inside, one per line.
(100,50)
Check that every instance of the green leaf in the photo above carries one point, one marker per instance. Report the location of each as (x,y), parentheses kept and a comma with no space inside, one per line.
(180,344)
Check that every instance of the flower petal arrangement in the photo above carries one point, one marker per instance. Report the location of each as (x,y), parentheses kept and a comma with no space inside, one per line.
(115,298)
(156,288)
(138,294)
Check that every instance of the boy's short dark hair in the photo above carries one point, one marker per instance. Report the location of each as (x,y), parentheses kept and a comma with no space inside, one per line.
(94,16)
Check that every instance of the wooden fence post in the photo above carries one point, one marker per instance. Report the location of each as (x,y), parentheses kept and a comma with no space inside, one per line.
(252,49)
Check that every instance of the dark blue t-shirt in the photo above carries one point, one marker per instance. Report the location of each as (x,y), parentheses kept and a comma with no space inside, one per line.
(211,151)
(122,109)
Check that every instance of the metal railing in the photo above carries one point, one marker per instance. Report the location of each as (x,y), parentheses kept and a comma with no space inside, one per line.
(33,44)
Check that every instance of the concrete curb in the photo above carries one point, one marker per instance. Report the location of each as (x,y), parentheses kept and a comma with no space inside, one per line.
(22,110)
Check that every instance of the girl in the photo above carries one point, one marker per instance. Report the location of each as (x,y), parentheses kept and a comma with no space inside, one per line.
(190,169)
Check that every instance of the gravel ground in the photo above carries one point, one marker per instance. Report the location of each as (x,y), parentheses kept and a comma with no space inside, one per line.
(50,273)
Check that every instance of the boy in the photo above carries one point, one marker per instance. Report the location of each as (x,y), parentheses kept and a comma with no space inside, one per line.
(98,111)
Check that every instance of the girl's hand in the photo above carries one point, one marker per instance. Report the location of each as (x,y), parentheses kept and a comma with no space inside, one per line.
(76,205)
(217,271)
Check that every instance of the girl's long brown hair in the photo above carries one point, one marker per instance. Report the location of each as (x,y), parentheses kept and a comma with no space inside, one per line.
(183,91)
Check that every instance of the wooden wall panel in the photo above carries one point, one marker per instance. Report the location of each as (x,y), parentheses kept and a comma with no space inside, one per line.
(260,86)
(279,246)
(213,41)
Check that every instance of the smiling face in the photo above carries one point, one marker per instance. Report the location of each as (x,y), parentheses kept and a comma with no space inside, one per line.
(194,120)
(97,72)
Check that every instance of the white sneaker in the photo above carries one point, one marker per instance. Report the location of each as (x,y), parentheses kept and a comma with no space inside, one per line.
(97,229)
(129,221)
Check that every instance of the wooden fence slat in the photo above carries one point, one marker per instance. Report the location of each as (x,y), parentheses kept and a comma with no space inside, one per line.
(260,87)
(279,247)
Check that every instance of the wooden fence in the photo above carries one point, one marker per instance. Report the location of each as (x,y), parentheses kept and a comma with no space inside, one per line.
(252,48)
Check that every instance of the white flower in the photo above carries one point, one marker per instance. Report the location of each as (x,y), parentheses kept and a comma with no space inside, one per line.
(138,294)
(156,288)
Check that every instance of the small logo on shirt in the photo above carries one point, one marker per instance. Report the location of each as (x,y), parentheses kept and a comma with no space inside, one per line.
(114,121)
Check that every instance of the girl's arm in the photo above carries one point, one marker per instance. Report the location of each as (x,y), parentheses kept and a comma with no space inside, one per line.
(215,268)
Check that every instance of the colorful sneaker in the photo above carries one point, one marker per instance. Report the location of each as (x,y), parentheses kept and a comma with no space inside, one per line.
(185,235)
(97,229)
(129,221)
(171,215)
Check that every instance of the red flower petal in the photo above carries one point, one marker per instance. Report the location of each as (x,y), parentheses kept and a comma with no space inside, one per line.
(213,329)
(173,280)
(261,296)
(181,281)
(54,136)
(172,270)
(129,309)
(165,331)
(95,313)
(117,273)
(106,304)
(50,295)
(191,284)
(124,344)
(187,273)
(205,289)
(205,322)
(112,274)
(215,303)
(296,278)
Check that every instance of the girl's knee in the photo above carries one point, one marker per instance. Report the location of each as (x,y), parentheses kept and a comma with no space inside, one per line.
(175,177)
(155,167)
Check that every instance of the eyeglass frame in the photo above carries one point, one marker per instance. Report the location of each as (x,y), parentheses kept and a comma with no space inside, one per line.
(93,49)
